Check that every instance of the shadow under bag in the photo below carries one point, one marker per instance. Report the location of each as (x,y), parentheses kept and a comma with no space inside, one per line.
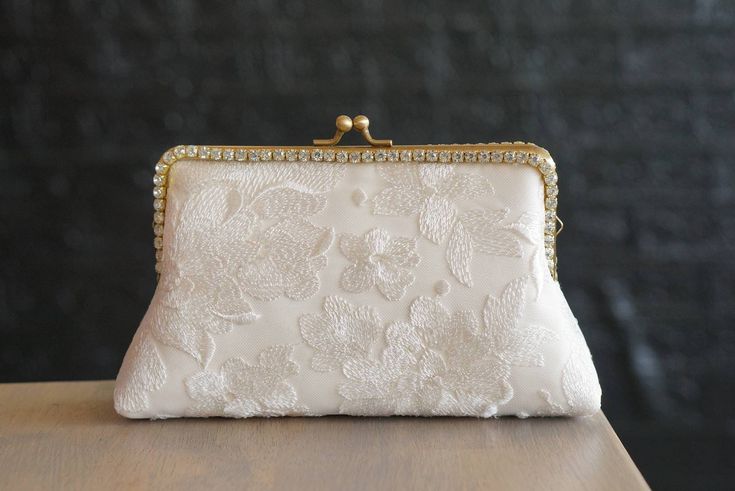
(373,280)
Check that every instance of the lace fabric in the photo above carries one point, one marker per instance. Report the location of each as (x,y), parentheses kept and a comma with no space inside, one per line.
(372,289)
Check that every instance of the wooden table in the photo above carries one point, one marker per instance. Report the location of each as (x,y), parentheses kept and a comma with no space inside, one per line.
(65,435)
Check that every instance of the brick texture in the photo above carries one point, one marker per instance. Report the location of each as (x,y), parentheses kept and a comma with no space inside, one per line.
(636,101)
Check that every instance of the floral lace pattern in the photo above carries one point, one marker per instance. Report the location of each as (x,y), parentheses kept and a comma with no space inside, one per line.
(221,254)
(379,260)
(249,244)
(435,363)
(433,192)
(241,390)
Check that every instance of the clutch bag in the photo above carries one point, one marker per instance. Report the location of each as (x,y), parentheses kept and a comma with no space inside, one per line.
(367,280)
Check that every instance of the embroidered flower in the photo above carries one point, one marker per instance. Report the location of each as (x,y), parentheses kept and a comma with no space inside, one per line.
(431,365)
(435,363)
(222,253)
(341,333)
(285,259)
(378,259)
(242,390)
(433,191)
(405,380)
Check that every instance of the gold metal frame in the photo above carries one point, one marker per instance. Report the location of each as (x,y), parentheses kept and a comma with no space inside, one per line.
(506,153)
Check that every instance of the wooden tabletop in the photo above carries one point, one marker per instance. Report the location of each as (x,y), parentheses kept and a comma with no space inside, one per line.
(65,435)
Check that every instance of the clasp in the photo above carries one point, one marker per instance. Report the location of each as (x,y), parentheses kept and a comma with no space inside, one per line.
(345,124)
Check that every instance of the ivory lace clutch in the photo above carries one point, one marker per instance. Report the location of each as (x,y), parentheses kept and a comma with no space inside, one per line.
(375,280)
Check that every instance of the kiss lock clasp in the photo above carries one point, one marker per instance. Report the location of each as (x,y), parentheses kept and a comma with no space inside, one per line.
(345,124)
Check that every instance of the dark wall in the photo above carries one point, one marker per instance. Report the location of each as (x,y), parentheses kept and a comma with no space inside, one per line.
(636,101)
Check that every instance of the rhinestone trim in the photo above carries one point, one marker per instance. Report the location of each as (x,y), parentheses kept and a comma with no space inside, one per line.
(506,153)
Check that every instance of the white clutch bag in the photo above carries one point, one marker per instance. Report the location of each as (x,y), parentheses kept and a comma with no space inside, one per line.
(375,280)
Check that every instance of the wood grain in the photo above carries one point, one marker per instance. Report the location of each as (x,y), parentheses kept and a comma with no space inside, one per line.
(65,435)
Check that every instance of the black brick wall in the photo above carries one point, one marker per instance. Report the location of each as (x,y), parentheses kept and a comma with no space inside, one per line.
(636,101)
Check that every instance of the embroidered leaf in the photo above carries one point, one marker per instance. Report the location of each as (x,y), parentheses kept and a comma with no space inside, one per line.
(399,200)
(142,372)
(516,343)
(579,382)
(435,176)
(314,177)
(502,314)
(186,329)
(468,186)
(489,236)
(476,220)
(459,254)
(197,231)
(286,202)
(526,345)
(436,218)
(399,174)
